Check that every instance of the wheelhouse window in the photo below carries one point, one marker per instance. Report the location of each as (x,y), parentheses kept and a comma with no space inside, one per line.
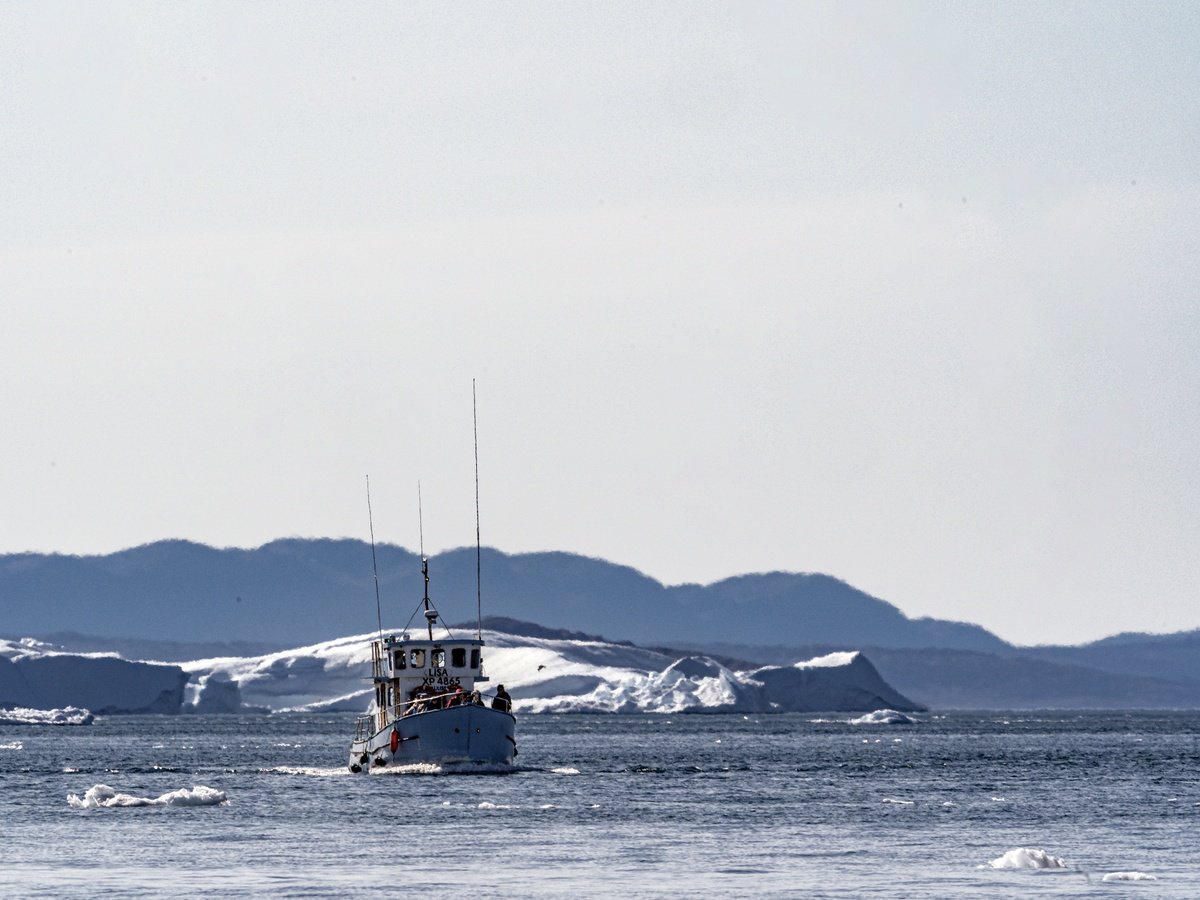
(439,659)
(458,657)
(399,657)
(417,658)
(475,658)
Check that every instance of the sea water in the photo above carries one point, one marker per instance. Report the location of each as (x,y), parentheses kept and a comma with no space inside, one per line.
(1039,804)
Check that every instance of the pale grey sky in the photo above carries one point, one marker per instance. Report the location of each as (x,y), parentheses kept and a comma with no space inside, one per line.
(905,293)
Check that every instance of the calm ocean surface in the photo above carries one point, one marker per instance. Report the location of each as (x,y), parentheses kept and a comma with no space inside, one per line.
(634,806)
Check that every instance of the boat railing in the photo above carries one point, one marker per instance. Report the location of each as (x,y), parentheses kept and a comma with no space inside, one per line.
(431,702)
(362,727)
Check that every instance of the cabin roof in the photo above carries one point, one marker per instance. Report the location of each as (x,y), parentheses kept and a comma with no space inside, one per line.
(397,640)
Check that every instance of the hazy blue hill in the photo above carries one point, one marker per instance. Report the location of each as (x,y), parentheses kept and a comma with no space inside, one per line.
(962,679)
(297,591)
(1139,637)
(280,593)
(1155,656)
(818,608)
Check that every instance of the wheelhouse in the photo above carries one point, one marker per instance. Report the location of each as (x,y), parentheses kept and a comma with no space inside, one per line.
(414,675)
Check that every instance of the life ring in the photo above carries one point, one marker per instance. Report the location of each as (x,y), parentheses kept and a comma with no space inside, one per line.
(395,740)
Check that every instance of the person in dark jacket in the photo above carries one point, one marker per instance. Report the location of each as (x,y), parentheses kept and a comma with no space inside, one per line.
(503,702)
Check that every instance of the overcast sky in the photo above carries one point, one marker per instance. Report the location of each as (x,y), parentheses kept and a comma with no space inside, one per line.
(904,293)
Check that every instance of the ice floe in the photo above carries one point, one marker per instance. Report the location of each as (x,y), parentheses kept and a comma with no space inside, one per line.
(884,717)
(1025,858)
(1129,876)
(69,715)
(101,796)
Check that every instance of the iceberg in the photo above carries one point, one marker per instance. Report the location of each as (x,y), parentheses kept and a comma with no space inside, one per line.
(36,675)
(543,675)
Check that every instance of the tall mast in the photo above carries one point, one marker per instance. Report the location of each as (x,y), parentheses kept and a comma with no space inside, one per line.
(430,615)
(478,587)
(374,566)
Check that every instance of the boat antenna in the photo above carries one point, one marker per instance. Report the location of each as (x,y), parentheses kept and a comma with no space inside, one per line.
(374,566)
(478,586)
(430,614)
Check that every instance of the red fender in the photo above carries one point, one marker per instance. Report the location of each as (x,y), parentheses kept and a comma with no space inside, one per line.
(395,740)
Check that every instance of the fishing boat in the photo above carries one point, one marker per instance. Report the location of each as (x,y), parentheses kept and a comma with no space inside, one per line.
(428,707)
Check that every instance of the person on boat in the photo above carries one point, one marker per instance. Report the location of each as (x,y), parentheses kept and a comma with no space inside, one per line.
(502,701)
(456,699)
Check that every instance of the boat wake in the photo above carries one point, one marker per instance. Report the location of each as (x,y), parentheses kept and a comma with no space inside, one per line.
(448,768)
(308,771)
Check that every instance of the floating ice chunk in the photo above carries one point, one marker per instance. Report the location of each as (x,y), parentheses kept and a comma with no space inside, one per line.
(12,745)
(565,770)
(487,804)
(1024,858)
(68,715)
(102,796)
(884,717)
(1129,876)
(899,802)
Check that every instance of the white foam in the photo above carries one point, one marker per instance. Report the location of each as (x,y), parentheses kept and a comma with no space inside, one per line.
(1024,858)
(68,715)
(102,796)
(565,770)
(464,767)
(1129,876)
(487,804)
(310,771)
(899,802)
(408,769)
(12,745)
(884,717)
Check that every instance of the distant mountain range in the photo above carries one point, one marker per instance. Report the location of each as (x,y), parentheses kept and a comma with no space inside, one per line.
(180,600)
(293,592)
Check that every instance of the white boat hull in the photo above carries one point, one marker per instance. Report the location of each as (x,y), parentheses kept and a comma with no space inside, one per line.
(459,734)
